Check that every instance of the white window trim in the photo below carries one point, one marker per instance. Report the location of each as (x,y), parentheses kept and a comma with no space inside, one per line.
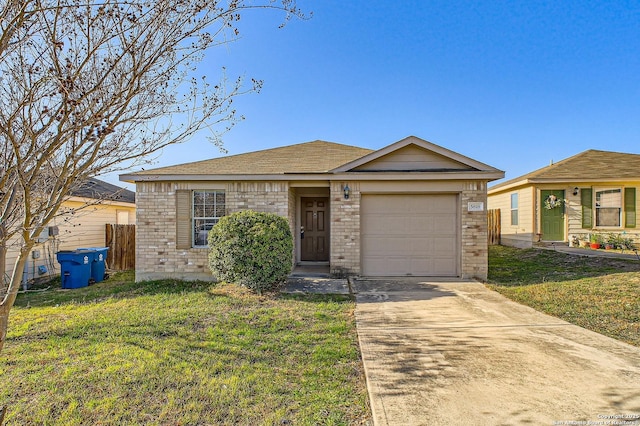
(205,218)
(516,209)
(596,207)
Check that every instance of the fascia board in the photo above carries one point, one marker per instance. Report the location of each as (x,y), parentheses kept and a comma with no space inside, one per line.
(354,176)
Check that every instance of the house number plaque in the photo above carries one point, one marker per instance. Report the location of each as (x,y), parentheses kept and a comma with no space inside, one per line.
(475,206)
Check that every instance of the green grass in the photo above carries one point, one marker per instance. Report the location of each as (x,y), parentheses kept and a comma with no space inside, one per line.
(600,294)
(177,353)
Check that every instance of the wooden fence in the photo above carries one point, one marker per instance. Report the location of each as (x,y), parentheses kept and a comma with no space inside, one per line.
(493,228)
(121,240)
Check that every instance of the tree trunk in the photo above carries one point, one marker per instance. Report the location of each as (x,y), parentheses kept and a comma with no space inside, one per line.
(3,268)
(9,297)
(3,243)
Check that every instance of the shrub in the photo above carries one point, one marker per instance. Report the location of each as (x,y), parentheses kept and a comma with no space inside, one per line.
(252,249)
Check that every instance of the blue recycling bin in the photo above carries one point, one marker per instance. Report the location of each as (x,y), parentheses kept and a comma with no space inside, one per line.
(75,268)
(98,262)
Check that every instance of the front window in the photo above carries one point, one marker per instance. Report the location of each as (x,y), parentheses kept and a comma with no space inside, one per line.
(514,209)
(208,208)
(608,207)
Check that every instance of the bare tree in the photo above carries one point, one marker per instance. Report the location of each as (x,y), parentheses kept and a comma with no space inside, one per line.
(89,85)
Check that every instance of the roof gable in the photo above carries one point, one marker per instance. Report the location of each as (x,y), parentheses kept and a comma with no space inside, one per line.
(413,154)
(411,158)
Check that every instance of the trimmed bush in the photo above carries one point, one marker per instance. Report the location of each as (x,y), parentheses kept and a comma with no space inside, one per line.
(252,249)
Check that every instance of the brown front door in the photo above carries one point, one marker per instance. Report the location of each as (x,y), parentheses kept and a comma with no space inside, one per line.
(314,232)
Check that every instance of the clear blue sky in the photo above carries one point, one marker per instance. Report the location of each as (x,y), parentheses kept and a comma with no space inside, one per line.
(514,84)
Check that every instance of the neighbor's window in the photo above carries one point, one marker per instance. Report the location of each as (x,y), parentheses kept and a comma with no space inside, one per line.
(514,209)
(208,208)
(608,207)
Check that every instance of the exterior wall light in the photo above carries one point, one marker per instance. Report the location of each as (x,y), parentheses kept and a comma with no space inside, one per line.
(346,191)
(576,190)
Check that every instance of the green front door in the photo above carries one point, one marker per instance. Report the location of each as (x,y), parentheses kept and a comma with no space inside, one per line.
(552,220)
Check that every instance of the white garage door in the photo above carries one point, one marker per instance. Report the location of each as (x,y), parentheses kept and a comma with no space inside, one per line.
(409,235)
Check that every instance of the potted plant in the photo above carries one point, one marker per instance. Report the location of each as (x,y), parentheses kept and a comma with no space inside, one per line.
(595,241)
(584,241)
(627,244)
(612,241)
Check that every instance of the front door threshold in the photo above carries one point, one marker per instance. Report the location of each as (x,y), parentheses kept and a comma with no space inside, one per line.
(311,269)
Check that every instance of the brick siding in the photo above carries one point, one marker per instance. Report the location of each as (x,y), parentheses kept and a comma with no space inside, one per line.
(156,252)
(345,229)
(157,255)
(475,250)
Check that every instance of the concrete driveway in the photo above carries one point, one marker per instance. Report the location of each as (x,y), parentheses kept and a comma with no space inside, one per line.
(456,353)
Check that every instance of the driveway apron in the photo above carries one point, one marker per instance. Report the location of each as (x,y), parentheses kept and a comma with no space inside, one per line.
(456,353)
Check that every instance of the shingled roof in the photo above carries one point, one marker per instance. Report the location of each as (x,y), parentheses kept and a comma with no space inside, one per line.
(588,165)
(309,157)
(100,190)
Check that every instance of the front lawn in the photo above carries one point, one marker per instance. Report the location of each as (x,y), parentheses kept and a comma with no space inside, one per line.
(600,294)
(178,353)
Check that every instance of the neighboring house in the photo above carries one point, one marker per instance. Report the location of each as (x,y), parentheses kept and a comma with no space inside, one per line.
(80,223)
(411,208)
(591,192)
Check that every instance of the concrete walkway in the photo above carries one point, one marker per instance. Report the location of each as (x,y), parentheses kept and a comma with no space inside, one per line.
(315,279)
(456,353)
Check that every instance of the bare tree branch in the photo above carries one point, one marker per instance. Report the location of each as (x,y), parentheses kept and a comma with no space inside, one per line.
(90,87)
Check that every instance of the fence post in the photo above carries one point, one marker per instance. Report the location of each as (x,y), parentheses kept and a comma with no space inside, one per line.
(493,226)
(122,247)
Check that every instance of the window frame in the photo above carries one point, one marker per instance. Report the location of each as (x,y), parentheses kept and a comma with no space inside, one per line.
(597,207)
(514,210)
(218,210)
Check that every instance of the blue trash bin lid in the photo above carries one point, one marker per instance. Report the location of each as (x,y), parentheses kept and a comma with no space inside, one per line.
(98,252)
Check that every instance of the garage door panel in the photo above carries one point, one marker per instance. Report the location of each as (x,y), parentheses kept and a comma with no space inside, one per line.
(419,224)
(392,227)
(385,225)
(443,246)
(380,204)
(420,245)
(444,266)
(410,235)
(389,266)
(422,266)
(391,245)
(394,246)
(445,224)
